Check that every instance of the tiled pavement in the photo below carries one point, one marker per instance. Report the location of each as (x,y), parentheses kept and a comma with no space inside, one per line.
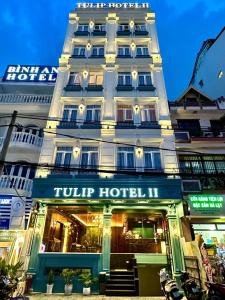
(93,297)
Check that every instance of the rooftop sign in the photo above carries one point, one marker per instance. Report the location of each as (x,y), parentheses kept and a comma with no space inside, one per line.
(26,73)
(112,5)
(207,205)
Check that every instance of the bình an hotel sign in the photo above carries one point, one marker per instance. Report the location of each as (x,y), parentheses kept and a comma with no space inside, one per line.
(112,5)
(26,73)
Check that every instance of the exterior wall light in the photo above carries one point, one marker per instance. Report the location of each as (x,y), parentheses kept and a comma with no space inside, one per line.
(88,46)
(81,107)
(134,74)
(131,24)
(76,149)
(91,24)
(139,151)
(136,108)
(133,45)
(85,74)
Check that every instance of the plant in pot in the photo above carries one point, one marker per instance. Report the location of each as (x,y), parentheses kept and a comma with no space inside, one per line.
(87,279)
(68,275)
(50,283)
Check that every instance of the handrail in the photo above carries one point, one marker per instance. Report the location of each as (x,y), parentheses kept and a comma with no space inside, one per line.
(28,138)
(20,183)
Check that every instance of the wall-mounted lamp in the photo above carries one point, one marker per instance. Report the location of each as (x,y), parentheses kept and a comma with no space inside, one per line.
(136,108)
(91,24)
(139,151)
(88,46)
(76,149)
(82,106)
(131,24)
(134,74)
(133,45)
(85,74)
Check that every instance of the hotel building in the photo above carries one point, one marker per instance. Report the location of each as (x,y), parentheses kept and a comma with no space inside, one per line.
(113,194)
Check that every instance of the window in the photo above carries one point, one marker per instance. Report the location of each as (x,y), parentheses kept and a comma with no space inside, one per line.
(124,79)
(148,114)
(124,51)
(70,112)
(74,79)
(99,27)
(79,51)
(98,51)
(152,159)
(93,113)
(82,27)
(19,171)
(125,158)
(140,27)
(63,156)
(144,79)
(89,157)
(192,126)
(142,51)
(196,164)
(124,113)
(95,78)
(123,27)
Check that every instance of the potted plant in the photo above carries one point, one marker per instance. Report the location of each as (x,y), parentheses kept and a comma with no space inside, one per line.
(87,279)
(50,283)
(68,275)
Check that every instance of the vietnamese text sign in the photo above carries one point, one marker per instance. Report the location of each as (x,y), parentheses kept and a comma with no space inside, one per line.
(207,205)
(20,73)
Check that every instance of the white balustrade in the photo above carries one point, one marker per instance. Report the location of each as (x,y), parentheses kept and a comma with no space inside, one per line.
(15,182)
(27,138)
(13,98)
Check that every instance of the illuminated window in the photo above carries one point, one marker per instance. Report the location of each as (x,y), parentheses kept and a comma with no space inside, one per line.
(95,78)
(220,74)
(93,113)
(70,112)
(99,27)
(74,79)
(140,27)
(124,79)
(148,114)
(125,158)
(124,113)
(82,27)
(152,158)
(123,27)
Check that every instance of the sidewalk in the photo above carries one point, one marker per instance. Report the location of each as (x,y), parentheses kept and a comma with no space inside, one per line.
(93,297)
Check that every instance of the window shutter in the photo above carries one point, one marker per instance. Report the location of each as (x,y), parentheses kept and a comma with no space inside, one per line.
(58,159)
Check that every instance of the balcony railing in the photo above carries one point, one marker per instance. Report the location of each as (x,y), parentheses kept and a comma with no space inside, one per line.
(16,182)
(141,32)
(201,133)
(12,98)
(26,138)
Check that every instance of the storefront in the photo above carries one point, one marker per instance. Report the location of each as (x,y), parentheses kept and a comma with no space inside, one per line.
(98,224)
(207,218)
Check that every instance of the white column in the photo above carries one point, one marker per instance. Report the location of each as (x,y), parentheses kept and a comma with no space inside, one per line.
(68,45)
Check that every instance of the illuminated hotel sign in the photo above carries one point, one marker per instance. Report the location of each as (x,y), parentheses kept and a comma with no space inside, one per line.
(207,205)
(25,73)
(106,193)
(113,5)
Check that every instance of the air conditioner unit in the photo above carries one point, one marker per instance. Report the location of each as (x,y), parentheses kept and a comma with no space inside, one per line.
(182,136)
(191,186)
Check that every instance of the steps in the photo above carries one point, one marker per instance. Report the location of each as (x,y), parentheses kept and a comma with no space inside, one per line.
(121,283)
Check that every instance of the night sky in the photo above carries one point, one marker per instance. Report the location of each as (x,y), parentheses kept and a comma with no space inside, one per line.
(32,32)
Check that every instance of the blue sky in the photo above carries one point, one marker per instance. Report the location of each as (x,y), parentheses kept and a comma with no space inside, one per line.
(32,32)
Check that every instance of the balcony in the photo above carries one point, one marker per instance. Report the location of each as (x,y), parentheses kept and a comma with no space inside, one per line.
(149,125)
(97,56)
(198,134)
(145,88)
(122,88)
(21,184)
(125,125)
(67,125)
(143,56)
(123,56)
(94,88)
(73,88)
(81,33)
(20,99)
(123,33)
(140,32)
(20,138)
(99,33)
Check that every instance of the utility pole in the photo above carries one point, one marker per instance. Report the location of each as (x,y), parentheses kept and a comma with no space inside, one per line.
(7,141)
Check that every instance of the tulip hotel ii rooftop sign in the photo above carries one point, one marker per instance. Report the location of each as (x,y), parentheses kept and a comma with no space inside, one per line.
(112,5)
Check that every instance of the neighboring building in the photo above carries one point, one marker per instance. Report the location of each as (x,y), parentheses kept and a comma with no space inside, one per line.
(111,99)
(209,70)
(199,128)
(21,90)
